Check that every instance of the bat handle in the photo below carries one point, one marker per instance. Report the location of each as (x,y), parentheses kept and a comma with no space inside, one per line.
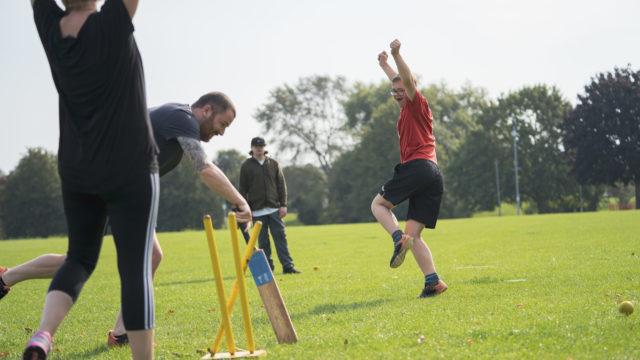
(244,229)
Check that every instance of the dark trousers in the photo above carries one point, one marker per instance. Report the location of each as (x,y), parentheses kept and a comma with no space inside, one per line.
(273,223)
(132,211)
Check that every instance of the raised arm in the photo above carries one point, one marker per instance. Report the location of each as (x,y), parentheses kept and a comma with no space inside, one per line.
(403,69)
(214,178)
(132,6)
(388,70)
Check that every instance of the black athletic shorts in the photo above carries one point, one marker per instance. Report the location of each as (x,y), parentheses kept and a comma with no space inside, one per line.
(420,181)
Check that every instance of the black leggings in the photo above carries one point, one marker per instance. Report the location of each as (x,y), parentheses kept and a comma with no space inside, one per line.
(132,211)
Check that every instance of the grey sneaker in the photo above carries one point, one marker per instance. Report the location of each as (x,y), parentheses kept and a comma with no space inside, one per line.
(400,250)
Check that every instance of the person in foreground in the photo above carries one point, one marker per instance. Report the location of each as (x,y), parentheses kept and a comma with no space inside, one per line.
(177,129)
(106,160)
(416,178)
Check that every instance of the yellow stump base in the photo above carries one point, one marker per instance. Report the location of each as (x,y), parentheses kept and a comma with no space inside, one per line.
(238,354)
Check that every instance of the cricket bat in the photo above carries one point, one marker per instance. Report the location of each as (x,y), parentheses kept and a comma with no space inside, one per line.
(272,299)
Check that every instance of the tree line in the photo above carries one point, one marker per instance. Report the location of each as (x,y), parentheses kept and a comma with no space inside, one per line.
(342,143)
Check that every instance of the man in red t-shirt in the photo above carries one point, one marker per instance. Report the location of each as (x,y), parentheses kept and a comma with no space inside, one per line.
(416,178)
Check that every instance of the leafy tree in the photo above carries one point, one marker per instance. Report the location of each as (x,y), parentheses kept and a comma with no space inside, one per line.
(306,192)
(3,183)
(535,113)
(308,118)
(185,199)
(373,114)
(358,174)
(230,161)
(601,135)
(32,192)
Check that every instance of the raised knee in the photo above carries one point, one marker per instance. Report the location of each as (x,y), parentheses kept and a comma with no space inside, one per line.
(156,256)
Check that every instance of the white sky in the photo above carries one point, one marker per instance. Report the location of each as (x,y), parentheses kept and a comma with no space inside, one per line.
(247,48)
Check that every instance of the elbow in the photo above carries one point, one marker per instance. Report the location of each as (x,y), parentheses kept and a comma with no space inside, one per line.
(206,172)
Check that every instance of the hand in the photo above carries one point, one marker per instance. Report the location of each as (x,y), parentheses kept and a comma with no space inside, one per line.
(382,58)
(243,213)
(395,47)
(282,211)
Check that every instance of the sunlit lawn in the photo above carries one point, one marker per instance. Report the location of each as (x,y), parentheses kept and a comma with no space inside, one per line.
(529,287)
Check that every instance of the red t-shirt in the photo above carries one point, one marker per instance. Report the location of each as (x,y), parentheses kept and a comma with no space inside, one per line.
(415,129)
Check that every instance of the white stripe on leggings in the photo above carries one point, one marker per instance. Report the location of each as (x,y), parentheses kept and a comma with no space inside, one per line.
(149,309)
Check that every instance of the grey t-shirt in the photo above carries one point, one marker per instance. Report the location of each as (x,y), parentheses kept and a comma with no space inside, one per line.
(168,122)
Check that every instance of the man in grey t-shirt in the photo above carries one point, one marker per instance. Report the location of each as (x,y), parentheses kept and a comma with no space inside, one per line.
(177,129)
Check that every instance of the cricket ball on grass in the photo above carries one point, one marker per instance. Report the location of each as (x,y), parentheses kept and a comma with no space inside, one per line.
(626,307)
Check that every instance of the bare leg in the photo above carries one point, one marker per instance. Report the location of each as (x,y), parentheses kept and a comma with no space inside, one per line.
(42,267)
(56,306)
(381,209)
(420,250)
(141,344)
(156,257)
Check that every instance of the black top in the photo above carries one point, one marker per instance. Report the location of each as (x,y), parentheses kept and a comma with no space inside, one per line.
(105,134)
(168,122)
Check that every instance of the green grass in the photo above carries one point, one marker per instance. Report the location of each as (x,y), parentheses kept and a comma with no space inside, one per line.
(529,287)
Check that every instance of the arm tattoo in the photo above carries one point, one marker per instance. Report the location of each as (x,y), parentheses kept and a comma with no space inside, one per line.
(195,152)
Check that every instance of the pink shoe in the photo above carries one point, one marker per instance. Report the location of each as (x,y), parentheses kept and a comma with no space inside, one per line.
(38,346)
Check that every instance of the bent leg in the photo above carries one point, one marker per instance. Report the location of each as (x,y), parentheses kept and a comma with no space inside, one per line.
(42,267)
(420,250)
(381,210)
(86,218)
(56,306)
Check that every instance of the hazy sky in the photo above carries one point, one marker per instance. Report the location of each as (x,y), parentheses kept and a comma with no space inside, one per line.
(247,48)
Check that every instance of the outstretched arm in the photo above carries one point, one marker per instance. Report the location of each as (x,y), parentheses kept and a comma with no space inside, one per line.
(403,69)
(382,61)
(214,178)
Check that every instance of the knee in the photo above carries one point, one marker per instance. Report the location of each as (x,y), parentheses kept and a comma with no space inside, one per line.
(375,205)
(380,202)
(156,257)
(87,263)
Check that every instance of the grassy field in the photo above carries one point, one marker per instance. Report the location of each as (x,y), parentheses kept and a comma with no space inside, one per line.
(529,287)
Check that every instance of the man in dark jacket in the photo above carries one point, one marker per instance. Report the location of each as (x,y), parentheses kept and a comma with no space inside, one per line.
(263,186)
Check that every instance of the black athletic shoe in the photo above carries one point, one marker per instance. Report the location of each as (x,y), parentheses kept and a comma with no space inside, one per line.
(400,250)
(433,290)
(4,289)
(290,270)
(118,340)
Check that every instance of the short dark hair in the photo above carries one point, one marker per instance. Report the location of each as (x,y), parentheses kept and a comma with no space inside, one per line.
(218,101)
(399,79)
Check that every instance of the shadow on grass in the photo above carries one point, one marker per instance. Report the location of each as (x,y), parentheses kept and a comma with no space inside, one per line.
(195,281)
(335,308)
(90,354)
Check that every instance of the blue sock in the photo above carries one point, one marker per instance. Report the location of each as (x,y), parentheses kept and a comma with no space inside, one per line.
(397,235)
(431,279)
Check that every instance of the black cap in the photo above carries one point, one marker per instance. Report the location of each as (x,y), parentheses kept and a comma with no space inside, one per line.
(258,141)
